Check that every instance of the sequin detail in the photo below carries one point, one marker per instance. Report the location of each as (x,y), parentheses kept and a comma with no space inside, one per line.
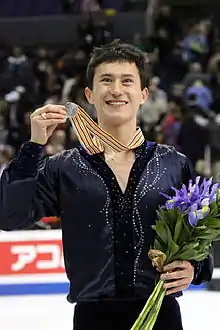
(146,186)
(26,163)
(86,169)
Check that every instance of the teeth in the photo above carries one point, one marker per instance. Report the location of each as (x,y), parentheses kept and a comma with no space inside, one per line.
(117,103)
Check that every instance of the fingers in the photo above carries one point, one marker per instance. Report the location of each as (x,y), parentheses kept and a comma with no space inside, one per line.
(50,115)
(175,284)
(174,275)
(175,264)
(49,108)
(179,275)
(175,290)
(51,122)
(178,269)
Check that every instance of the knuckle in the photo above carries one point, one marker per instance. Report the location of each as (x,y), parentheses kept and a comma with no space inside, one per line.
(33,117)
(34,113)
(47,107)
(183,282)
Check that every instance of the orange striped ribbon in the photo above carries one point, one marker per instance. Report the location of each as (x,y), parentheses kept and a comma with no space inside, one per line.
(92,137)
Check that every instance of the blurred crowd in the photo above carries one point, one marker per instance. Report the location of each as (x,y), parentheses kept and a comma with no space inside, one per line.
(183,108)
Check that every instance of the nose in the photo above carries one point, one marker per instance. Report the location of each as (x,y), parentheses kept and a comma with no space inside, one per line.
(116,89)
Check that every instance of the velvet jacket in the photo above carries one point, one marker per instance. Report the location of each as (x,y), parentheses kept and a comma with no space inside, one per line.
(106,233)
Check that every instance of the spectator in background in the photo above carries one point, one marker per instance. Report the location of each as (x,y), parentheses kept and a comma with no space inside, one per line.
(169,130)
(167,32)
(164,44)
(199,95)
(195,44)
(193,136)
(19,103)
(196,73)
(165,20)
(154,108)
(17,72)
(42,69)
(86,33)
(17,61)
(3,130)
(215,86)
(89,5)
(7,153)
(173,70)
(214,61)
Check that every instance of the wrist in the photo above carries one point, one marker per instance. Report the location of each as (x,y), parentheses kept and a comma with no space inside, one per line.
(32,140)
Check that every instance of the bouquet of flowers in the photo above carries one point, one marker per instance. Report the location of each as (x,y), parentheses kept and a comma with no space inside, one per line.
(185,229)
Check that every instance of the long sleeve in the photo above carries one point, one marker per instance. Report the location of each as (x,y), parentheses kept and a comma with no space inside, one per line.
(203,269)
(27,189)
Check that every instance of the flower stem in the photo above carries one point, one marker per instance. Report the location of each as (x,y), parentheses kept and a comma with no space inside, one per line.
(152,316)
(148,306)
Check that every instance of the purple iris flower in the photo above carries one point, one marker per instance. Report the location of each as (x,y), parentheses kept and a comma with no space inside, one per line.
(193,200)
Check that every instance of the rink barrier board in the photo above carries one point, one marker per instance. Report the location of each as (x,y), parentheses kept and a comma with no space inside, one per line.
(32,263)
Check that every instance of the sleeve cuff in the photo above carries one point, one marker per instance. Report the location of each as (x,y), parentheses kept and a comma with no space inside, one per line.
(197,270)
(26,163)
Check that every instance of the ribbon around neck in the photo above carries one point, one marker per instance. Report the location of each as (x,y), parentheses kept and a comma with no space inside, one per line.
(92,137)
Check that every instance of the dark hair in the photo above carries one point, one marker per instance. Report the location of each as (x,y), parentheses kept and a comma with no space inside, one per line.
(118,51)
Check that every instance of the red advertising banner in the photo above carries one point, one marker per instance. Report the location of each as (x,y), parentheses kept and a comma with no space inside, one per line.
(26,256)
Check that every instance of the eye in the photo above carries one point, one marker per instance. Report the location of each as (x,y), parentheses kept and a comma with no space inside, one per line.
(106,80)
(128,81)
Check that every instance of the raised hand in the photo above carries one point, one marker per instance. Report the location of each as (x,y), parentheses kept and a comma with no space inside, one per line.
(44,121)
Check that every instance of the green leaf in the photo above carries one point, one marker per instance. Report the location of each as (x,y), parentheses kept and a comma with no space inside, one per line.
(203,227)
(207,234)
(164,236)
(218,200)
(214,208)
(178,228)
(188,230)
(216,238)
(174,248)
(159,245)
(168,218)
(211,222)
(187,252)
(201,256)
(160,229)
(218,195)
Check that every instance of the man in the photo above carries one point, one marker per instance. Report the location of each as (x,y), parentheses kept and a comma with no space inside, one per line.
(107,200)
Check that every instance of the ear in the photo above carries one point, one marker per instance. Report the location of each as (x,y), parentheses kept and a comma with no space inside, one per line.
(144,95)
(89,96)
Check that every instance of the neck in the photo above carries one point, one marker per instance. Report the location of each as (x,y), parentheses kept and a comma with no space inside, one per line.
(123,133)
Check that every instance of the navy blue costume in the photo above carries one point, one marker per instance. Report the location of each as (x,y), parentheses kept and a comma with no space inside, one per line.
(106,233)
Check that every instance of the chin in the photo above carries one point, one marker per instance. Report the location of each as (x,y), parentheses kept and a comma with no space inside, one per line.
(116,120)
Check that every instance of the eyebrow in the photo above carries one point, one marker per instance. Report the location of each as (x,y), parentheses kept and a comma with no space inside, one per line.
(124,75)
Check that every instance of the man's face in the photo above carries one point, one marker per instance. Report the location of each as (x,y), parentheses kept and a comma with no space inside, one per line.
(116,92)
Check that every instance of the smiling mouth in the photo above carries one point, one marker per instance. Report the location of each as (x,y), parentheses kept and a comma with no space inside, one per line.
(116,103)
